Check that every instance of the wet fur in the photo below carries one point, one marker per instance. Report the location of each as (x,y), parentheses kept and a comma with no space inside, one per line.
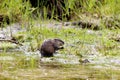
(50,46)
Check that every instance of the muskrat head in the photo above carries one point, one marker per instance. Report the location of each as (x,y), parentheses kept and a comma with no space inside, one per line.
(58,44)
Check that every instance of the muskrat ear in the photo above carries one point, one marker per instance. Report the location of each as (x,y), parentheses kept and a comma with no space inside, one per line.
(58,40)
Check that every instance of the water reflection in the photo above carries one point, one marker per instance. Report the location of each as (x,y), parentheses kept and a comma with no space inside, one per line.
(59,67)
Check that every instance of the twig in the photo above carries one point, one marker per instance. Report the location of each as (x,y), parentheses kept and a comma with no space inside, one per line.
(12,41)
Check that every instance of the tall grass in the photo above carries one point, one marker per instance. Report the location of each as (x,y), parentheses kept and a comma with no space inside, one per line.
(110,8)
(104,7)
(16,10)
(21,10)
(77,41)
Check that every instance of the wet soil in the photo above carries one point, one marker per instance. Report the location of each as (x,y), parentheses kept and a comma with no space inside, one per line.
(61,66)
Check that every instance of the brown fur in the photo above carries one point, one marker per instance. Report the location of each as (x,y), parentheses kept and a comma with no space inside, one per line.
(50,46)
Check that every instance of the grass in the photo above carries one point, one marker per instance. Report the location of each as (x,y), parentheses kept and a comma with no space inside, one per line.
(7,46)
(18,65)
(77,41)
(69,73)
(17,11)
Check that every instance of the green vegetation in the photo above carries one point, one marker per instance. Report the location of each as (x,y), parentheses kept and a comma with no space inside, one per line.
(38,24)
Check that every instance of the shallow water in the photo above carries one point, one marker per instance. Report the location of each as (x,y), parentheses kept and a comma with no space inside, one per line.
(16,65)
(21,66)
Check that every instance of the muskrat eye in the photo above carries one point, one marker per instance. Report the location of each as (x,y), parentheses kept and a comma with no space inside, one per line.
(60,44)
